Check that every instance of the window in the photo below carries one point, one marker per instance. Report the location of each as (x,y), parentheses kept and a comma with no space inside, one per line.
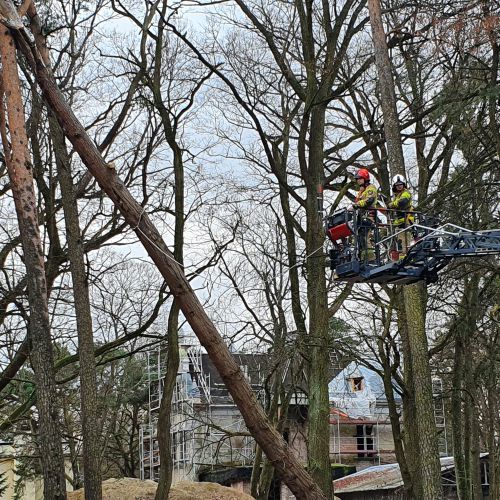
(364,440)
(357,384)
(179,446)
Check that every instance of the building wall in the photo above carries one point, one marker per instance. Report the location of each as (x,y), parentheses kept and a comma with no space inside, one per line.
(33,487)
(373,495)
(7,472)
(297,440)
(344,439)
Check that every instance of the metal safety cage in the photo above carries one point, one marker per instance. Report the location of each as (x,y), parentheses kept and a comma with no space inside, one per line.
(368,247)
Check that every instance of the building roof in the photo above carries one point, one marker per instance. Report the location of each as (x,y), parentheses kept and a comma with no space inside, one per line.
(256,368)
(381,477)
(253,365)
(365,401)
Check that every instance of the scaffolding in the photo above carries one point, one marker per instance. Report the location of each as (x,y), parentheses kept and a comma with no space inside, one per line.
(207,430)
(440,415)
(204,432)
(364,445)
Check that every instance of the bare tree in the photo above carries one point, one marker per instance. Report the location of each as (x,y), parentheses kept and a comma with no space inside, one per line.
(290,470)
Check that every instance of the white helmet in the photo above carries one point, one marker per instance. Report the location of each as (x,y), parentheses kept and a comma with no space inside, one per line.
(398,179)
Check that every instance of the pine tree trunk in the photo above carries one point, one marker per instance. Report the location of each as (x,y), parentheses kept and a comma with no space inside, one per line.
(287,466)
(76,257)
(88,381)
(21,178)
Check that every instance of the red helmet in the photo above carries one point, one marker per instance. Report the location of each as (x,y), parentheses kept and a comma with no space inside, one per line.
(362,173)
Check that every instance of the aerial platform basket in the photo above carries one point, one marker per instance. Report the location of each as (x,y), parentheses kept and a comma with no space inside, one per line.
(366,250)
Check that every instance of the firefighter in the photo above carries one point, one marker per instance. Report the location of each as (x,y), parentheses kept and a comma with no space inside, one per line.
(402,206)
(402,202)
(366,199)
(367,194)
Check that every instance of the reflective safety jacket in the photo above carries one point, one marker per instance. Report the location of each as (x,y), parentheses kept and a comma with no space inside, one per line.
(367,197)
(402,201)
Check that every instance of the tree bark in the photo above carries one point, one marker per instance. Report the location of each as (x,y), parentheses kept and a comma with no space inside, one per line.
(173,359)
(288,467)
(457,427)
(429,468)
(277,409)
(394,415)
(76,257)
(15,365)
(165,413)
(494,429)
(88,382)
(21,178)
(475,451)
(429,464)
(317,341)
(410,436)
(386,89)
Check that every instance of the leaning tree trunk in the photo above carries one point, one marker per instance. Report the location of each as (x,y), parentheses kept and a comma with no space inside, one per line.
(414,296)
(21,179)
(275,448)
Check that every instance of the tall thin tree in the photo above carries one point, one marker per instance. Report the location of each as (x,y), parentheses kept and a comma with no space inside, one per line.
(88,384)
(414,299)
(21,179)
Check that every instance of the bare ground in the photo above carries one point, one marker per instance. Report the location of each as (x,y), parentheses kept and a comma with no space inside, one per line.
(135,489)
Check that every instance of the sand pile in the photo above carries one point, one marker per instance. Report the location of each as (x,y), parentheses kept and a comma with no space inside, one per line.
(135,489)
